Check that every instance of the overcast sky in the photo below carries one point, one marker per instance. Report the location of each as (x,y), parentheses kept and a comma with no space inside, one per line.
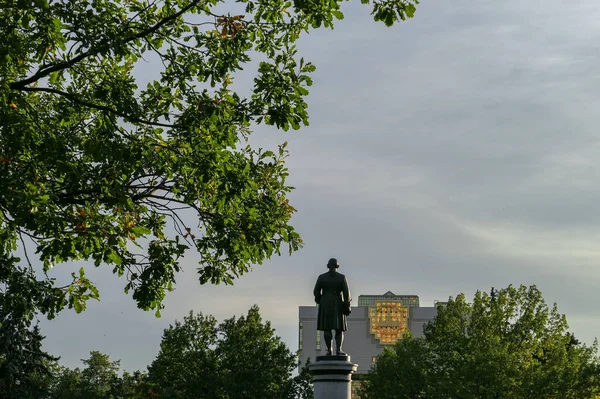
(453,152)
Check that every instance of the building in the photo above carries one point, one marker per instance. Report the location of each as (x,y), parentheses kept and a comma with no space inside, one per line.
(378,321)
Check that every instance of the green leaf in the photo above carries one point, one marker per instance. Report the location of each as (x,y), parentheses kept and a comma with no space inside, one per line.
(115,258)
(338,14)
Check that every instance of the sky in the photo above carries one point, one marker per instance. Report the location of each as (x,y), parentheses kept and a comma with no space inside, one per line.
(448,154)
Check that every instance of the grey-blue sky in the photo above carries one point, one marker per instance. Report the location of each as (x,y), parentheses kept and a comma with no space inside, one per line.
(450,153)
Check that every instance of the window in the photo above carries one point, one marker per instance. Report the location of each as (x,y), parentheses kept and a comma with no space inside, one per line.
(318,340)
(300,338)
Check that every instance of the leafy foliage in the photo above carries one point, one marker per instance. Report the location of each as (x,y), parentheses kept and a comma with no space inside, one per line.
(198,358)
(99,379)
(97,163)
(401,372)
(239,358)
(186,361)
(25,369)
(301,386)
(506,344)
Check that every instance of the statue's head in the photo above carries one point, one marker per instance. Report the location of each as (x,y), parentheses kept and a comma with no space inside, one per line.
(333,263)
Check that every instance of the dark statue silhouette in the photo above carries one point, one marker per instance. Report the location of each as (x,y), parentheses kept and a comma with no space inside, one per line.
(332,294)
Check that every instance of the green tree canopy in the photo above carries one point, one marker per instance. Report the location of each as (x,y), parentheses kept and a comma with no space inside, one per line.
(301,386)
(25,369)
(98,165)
(506,344)
(99,379)
(238,358)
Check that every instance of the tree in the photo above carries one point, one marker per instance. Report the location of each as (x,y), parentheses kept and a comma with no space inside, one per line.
(135,386)
(97,165)
(507,344)
(100,375)
(25,369)
(400,372)
(301,386)
(67,384)
(99,379)
(239,358)
(186,361)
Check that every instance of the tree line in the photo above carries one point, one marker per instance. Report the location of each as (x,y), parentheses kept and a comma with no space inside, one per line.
(198,358)
(505,344)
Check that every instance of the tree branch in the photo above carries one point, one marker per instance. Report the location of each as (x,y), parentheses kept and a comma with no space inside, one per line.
(20,85)
(76,100)
(25,250)
(196,49)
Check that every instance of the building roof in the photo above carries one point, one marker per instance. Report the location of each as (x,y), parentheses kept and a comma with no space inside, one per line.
(389,294)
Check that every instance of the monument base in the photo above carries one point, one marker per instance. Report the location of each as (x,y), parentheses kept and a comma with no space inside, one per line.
(332,377)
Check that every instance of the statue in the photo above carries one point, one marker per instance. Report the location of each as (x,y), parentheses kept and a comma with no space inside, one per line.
(332,294)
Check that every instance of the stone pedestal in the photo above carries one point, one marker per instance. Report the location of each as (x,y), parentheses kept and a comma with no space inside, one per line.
(332,377)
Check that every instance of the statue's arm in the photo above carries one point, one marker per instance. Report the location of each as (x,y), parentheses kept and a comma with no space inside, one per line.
(317,291)
(346,290)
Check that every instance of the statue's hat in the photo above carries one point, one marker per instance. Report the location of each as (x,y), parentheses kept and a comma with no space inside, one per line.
(333,263)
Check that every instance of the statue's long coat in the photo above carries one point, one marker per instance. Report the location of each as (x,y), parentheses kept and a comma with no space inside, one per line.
(331,292)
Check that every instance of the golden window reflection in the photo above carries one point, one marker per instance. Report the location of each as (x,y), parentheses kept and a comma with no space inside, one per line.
(388,321)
